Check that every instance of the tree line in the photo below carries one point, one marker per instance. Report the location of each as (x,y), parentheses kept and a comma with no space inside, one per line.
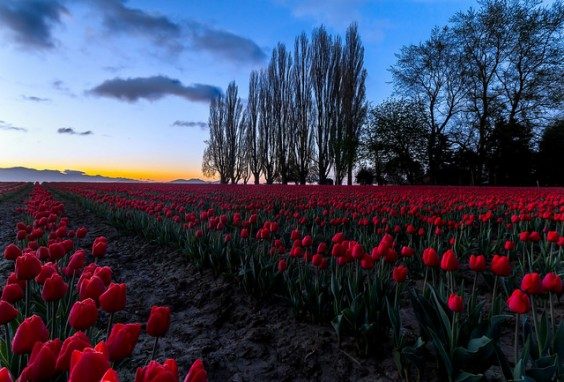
(302,117)
(478,102)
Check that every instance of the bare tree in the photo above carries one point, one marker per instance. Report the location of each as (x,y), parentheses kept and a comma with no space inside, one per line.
(279,78)
(267,131)
(303,116)
(353,96)
(216,155)
(430,75)
(321,78)
(252,122)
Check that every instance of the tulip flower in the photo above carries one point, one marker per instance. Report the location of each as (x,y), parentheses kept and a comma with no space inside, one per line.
(197,372)
(88,365)
(158,324)
(7,312)
(12,293)
(78,341)
(110,376)
(155,372)
(54,288)
(12,252)
(518,303)
(114,298)
(56,251)
(455,303)
(122,340)
(41,363)
(30,331)
(83,314)
(282,265)
(5,375)
(430,257)
(500,266)
(27,266)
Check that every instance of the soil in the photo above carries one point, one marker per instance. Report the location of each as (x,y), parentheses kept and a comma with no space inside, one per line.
(238,338)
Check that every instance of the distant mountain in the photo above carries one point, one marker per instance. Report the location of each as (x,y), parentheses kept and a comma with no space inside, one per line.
(189,181)
(24,174)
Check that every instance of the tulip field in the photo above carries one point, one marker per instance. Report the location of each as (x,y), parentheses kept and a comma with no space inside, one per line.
(449,283)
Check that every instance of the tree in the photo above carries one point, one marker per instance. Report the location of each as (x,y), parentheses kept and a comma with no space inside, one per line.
(267,131)
(394,142)
(216,154)
(321,65)
(365,176)
(252,121)
(353,94)
(549,162)
(429,74)
(303,117)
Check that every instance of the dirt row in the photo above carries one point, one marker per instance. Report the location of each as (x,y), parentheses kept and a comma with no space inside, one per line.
(238,338)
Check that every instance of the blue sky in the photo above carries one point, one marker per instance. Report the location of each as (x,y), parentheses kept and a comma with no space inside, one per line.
(121,88)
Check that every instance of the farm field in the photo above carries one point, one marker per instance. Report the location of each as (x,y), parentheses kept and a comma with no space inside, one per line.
(283,282)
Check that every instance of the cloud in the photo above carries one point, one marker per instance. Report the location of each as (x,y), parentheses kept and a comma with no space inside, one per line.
(71,131)
(336,13)
(118,18)
(30,22)
(35,99)
(223,43)
(8,127)
(201,125)
(60,86)
(153,88)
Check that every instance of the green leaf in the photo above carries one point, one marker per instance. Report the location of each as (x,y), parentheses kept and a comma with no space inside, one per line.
(559,343)
(468,377)
(546,369)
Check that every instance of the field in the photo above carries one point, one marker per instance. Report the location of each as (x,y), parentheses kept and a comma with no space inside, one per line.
(277,282)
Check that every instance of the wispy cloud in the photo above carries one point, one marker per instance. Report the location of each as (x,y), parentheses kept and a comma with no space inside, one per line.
(153,88)
(63,88)
(30,22)
(201,125)
(71,131)
(9,127)
(35,99)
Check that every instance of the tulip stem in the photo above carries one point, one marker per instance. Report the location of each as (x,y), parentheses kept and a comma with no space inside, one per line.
(493,296)
(26,297)
(425,281)
(473,296)
(535,325)
(109,325)
(154,348)
(516,338)
(551,311)
(8,352)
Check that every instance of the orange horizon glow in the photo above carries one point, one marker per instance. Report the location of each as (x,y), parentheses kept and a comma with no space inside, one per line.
(144,174)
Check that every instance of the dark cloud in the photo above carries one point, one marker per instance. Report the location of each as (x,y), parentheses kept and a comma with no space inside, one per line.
(118,18)
(35,99)
(201,125)
(8,127)
(223,43)
(71,131)
(153,88)
(30,21)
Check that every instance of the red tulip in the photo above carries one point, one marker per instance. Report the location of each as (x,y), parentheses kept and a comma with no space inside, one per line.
(54,288)
(399,273)
(155,372)
(449,262)
(407,251)
(5,375)
(122,340)
(114,298)
(47,270)
(41,364)
(30,331)
(99,247)
(56,251)
(531,283)
(552,236)
(524,236)
(366,262)
(110,376)
(27,266)
(197,372)
(430,257)
(518,302)
(78,341)
(509,245)
(477,263)
(159,321)
(12,293)
(89,365)
(307,241)
(455,303)
(552,283)
(12,252)
(91,287)
(500,266)
(282,265)
(76,262)
(83,314)
(81,232)
(7,312)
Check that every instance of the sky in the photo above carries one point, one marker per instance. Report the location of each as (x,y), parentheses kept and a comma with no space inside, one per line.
(122,88)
